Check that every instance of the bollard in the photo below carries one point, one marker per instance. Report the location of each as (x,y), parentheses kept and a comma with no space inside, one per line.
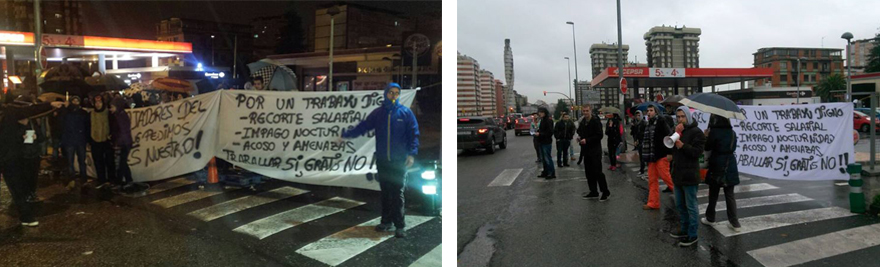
(213,177)
(856,196)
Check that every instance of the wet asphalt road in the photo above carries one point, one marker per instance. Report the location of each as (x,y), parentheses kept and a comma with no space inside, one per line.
(83,229)
(537,223)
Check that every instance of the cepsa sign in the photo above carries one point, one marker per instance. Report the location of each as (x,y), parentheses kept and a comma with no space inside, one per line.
(631,72)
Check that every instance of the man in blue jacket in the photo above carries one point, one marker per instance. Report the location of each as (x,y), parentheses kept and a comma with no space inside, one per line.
(397,142)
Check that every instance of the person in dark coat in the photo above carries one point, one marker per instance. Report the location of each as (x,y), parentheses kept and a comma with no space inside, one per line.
(590,138)
(120,135)
(686,174)
(544,136)
(13,129)
(723,172)
(75,122)
(656,154)
(637,130)
(563,132)
(612,130)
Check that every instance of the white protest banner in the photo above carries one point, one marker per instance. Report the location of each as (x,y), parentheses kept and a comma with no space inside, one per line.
(294,136)
(173,139)
(801,142)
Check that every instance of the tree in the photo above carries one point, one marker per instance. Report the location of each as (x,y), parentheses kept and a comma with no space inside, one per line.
(874,56)
(561,106)
(292,35)
(835,82)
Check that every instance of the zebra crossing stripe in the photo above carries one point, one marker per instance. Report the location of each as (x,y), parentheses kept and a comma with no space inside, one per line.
(168,186)
(506,177)
(818,247)
(240,204)
(741,189)
(271,225)
(758,201)
(764,222)
(186,198)
(432,259)
(339,247)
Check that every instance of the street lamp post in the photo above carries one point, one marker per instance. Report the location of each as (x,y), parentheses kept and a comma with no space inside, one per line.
(798,79)
(212,51)
(848,36)
(574,44)
(620,72)
(569,79)
(332,11)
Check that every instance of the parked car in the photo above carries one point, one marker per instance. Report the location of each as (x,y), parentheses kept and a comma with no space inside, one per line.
(862,122)
(480,132)
(523,126)
(867,110)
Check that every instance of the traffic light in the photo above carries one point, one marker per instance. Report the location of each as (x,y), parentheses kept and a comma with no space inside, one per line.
(545,93)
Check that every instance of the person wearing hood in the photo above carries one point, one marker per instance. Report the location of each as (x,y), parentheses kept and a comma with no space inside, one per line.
(723,172)
(397,144)
(612,130)
(637,130)
(99,137)
(75,122)
(14,149)
(120,135)
(686,174)
(544,137)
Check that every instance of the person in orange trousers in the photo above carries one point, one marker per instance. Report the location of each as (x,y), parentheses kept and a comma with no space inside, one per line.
(657,155)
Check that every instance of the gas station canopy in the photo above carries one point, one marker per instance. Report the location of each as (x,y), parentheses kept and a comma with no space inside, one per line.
(79,48)
(643,77)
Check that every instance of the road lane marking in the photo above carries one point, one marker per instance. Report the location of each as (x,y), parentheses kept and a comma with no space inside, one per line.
(339,247)
(506,177)
(741,189)
(757,201)
(186,198)
(432,259)
(175,183)
(271,225)
(542,180)
(770,221)
(243,203)
(818,247)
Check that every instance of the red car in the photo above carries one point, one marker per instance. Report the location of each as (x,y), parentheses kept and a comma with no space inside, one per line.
(523,126)
(862,122)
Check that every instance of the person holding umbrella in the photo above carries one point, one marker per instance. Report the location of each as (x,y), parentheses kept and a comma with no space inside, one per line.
(723,172)
(75,121)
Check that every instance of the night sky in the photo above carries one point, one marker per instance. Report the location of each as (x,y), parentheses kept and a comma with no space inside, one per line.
(137,19)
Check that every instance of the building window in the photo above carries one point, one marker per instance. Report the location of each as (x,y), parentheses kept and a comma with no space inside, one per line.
(783,78)
(783,65)
(815,65)
(58,30)
(57,16)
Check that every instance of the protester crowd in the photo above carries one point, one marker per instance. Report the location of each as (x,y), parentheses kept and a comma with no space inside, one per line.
(676,163)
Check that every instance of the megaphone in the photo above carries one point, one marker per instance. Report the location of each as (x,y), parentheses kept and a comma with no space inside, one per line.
(669,141)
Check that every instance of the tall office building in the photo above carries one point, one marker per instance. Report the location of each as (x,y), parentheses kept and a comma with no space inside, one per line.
(487,93)
(604,55)
(818,64)
(673,47)
(468,93)
(500,108)
(859,54)
(59,17)
(510,98)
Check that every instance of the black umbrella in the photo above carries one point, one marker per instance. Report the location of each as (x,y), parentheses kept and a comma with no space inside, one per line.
(715,104)
(63,87)
(673,100)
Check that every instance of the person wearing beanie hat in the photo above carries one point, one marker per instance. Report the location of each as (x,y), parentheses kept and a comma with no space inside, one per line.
(397,143)
(544,135)
(99,139)
(120,136)
(75,122)
(686,174)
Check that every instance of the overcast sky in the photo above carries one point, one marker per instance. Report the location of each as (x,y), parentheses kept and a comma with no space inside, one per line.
(731,32)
